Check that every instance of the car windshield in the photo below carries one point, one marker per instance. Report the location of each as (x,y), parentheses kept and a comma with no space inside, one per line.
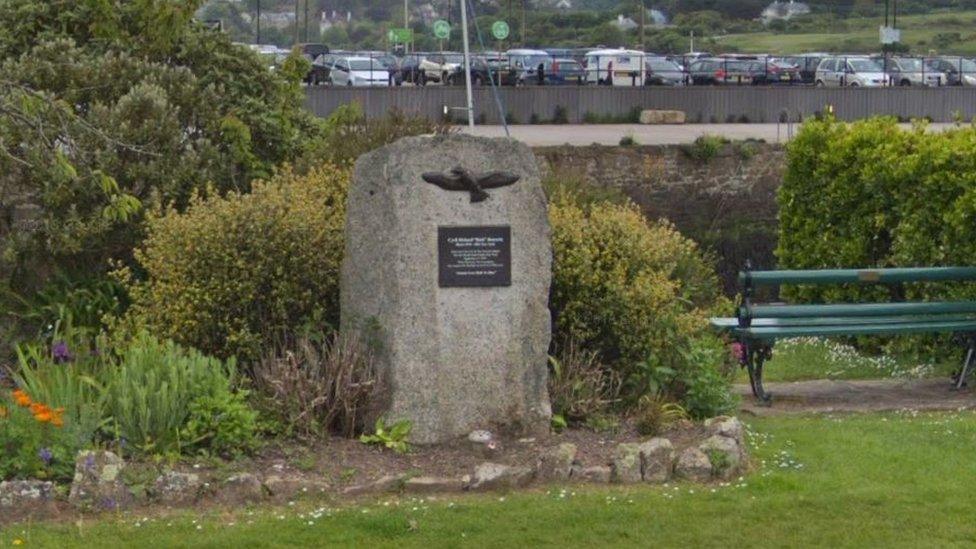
(534,60)
(662,65)
(864,65)
(968,65)
(365,65)
(910,65)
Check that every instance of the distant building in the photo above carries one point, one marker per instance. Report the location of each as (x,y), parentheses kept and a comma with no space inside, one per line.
(783,10)
(625,23)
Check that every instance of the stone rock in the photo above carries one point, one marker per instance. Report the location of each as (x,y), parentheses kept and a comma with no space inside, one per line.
(657,459)
(175,488)
(724,455)
(598,474)
(483,443)
(242,488)
(454,358)
(556,463)
(490,476)
(652,116)
(388,483)
(97,483)
(288,487)
(433,485)
(726,426)
(25,496)
(627,463)
(693,464)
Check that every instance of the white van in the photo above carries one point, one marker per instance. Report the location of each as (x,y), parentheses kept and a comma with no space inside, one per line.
(615,67)
(525,64)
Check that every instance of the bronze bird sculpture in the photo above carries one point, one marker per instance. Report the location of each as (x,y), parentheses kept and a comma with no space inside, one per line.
(459,179)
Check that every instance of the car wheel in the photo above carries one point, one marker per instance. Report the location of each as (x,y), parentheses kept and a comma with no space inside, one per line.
(905,82)
(349,83)
(854,85)
(819,84)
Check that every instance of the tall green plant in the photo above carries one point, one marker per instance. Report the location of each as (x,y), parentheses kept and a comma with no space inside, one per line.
(154,387)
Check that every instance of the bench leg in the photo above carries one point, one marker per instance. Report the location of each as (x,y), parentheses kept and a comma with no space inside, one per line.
(967,364)
(758,354)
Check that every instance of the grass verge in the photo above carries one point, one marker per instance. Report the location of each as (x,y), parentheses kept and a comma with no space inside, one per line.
(877,480)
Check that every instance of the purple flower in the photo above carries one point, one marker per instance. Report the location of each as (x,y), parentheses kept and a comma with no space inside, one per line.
(60,352)
(45,455)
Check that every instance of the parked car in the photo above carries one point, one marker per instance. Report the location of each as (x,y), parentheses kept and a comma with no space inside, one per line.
(910,71)
(806,65)
(407,70)
(618,67)
(526,63)
(959,71)
(850,71)
(436,67)
(662,71)
(319,73)
(773,71)
(715,71)
(484,67)
(563,70)
(359,72)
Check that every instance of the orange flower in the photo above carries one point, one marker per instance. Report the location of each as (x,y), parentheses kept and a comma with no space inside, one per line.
(44,417)
(57,421)
(37,408)
(21,398)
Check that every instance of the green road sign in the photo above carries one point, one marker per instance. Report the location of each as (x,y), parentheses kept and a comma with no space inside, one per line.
(442,29)
(400,36)
(499,29)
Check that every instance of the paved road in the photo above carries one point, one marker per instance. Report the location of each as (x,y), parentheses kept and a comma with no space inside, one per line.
(610,134)
(826,396)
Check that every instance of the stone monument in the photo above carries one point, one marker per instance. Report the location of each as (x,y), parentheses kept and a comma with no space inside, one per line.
(448,262)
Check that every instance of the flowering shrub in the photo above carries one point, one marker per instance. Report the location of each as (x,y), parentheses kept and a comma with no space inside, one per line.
(35,440)
(235,273)
(635,293)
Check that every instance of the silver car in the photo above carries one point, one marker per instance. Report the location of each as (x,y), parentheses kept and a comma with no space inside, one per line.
(850,71)
(911,71)
(358,72)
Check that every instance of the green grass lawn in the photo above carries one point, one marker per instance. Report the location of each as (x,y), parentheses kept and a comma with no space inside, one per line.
(862,36)
(812,358)
(891,480)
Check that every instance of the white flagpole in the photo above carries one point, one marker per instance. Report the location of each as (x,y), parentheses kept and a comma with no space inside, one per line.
(467,62)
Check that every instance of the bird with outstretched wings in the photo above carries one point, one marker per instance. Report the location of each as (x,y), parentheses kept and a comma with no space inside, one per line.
(459,179)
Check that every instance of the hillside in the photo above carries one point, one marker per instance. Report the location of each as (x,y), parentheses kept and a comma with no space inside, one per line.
(939,32)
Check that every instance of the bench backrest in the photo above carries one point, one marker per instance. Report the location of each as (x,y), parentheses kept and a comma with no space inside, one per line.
(752,279)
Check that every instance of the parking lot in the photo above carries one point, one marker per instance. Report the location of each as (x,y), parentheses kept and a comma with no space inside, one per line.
(625,68)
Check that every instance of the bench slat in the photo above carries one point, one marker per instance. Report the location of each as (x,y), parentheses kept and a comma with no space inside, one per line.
(727,323)
(841,276)
(770,333)
(857,309)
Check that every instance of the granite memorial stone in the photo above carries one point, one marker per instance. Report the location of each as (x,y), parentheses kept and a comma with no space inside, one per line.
(448,264)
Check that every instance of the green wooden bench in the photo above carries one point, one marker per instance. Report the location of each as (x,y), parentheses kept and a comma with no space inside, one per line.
(757,326)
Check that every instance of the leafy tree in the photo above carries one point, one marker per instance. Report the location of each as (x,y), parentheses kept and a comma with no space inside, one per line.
(108,107)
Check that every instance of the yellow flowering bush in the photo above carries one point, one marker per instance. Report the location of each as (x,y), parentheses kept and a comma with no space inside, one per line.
(638,294)
(232,273)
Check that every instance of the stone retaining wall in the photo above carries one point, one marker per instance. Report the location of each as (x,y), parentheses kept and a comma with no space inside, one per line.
(727,202)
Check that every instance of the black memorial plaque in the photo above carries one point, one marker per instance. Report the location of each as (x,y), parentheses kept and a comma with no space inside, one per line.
(474,256)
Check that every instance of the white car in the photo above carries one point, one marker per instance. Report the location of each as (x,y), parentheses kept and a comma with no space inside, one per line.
(359,72)
(854,72)
(437,67)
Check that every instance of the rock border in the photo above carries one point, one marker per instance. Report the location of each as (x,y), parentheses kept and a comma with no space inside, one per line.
(98,484)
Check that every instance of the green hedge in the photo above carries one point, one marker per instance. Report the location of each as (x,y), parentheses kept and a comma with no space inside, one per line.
(870,194)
